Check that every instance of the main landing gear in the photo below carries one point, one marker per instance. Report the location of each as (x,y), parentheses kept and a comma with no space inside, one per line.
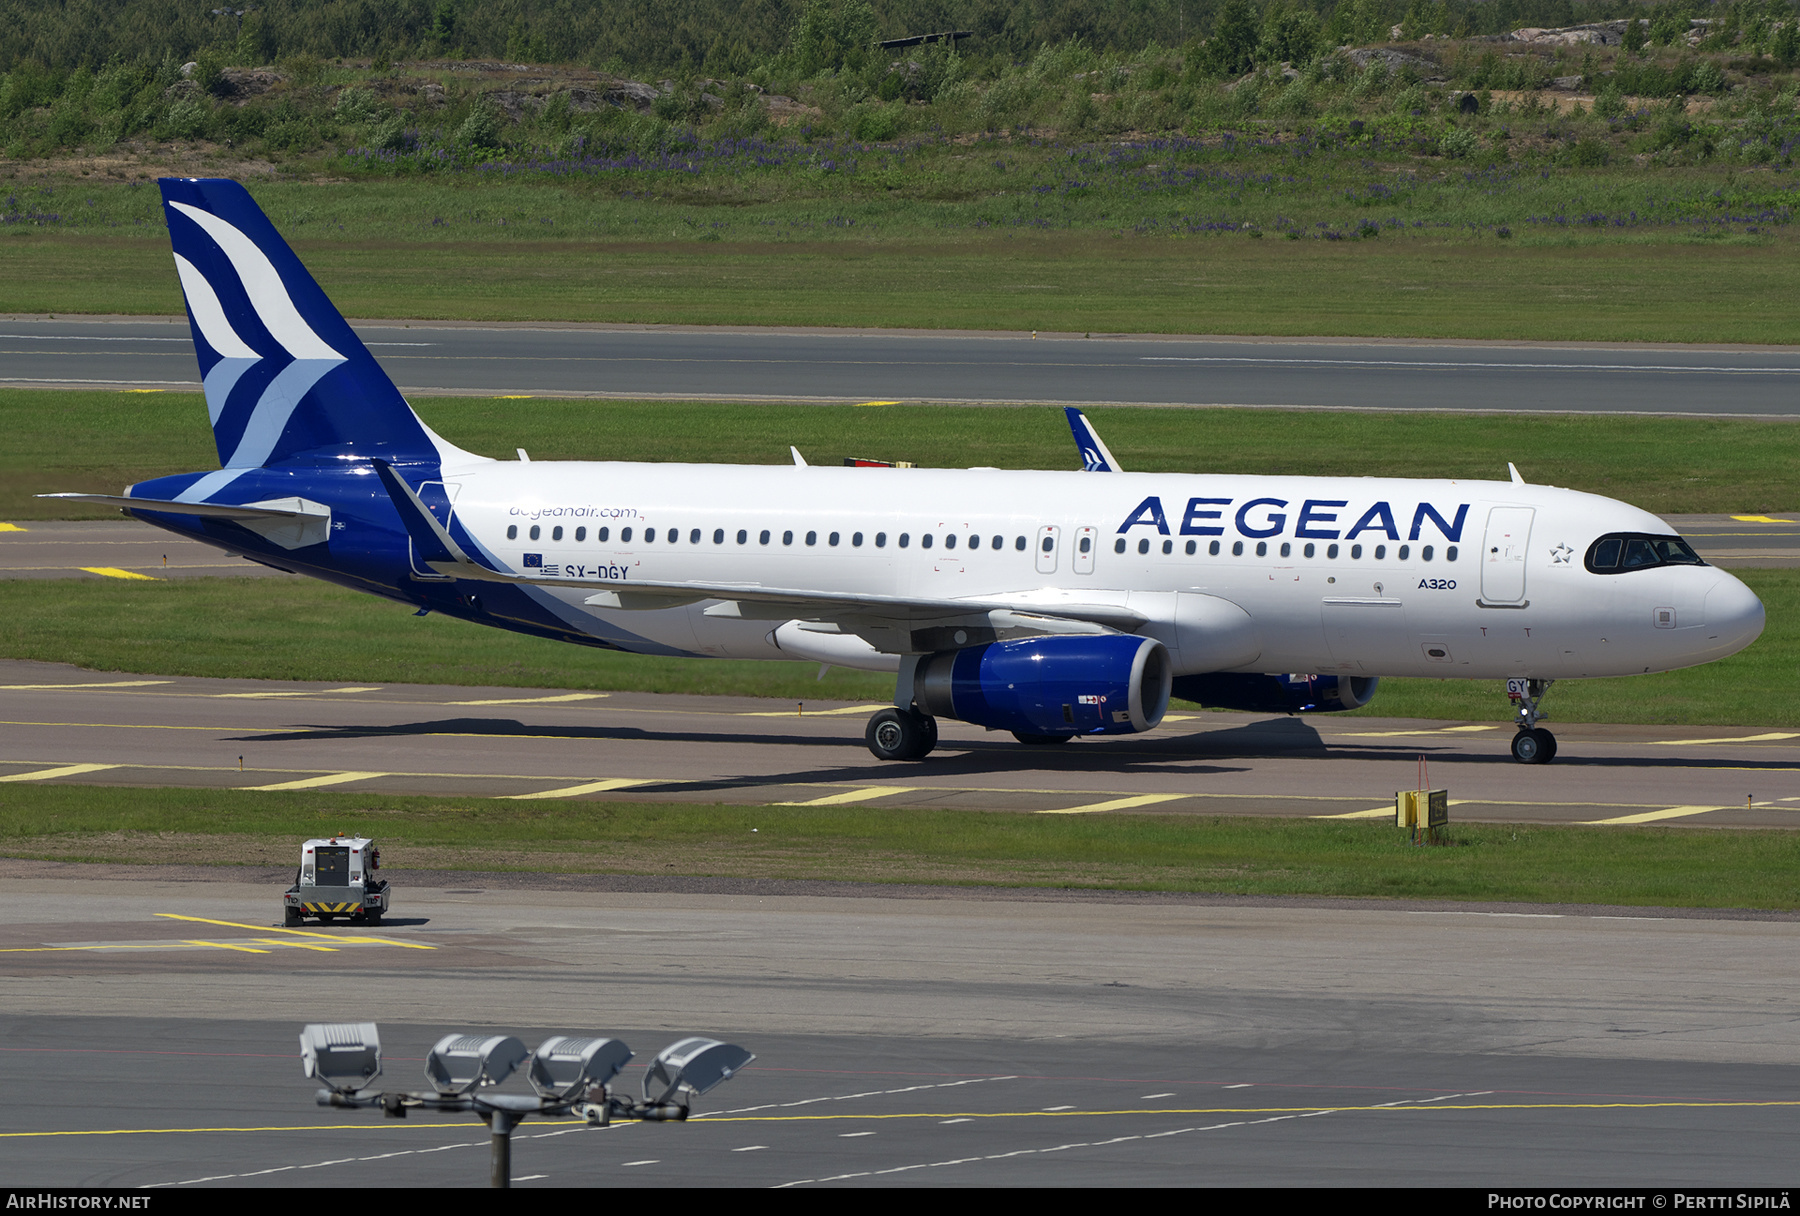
(1532,744)
(901,734)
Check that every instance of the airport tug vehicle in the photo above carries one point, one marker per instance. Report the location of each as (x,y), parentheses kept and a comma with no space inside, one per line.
(337,878)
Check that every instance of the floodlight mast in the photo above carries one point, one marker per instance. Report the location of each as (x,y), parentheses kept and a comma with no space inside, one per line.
(569,1073)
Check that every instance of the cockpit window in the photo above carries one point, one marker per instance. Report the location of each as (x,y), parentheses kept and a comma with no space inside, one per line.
(1623,552)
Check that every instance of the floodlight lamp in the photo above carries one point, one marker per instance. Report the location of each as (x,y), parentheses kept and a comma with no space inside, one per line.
(459,1063)
(344,1055)
(567,1066)
(695,1065)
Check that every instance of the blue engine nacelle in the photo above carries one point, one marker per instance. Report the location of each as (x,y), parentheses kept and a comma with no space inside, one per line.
(1110,684)
(1277,694)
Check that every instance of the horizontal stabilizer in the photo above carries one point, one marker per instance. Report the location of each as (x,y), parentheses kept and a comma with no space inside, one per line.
(213,510)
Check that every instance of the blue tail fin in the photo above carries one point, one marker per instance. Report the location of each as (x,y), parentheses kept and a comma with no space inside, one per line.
(283,371)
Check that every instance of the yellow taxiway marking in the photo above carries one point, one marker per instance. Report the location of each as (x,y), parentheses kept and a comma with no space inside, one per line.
(12,528)
(105,684)
(115,572)
(330,937)
(1383,1109)
(1760,519)
(1117,804)
(1768,738)
(1380,812)
(571,696)
(1674,812)
(67,770)
(863,404)
(857,795)
(817,713)
(591,787)
(310,783)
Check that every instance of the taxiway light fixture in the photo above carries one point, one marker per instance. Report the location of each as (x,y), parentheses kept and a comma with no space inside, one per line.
(695,1065)
(346,1056)
(460,1063)
(567,1066)
(570,1074)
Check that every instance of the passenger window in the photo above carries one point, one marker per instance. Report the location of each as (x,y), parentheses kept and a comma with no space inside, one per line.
(743,536)
(787,538)
(1143,546)
(1118,545)
(719,536)
(1450,554)
(1087,542)
(1331,551)
(1405,552)
(1190,548)
(832,539)
(1213,549)
(1380,552)
(674,535)
(1237,548)
(512,531)
(624,536)
(1019,544)
(694,537)
(602,534)
(855,540)
(1286,548)
(950,540)
(812,538)
(925,541)
(881,540)
(1306,552)
(1050,543)
(556,532)
(905,540)
(1262,548)
(534,531)
(764,536)
(1355,552)
(581,534)
(649,535)
(1425,553)
(1168,546)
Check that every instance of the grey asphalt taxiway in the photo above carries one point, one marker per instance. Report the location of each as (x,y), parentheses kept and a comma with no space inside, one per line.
(695,363)
(61,724)
(947,1039)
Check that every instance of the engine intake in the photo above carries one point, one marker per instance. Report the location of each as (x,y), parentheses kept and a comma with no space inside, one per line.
(1108,684)
(1277,694)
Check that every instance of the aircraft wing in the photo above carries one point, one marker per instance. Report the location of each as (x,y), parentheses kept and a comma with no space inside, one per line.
(1048,611)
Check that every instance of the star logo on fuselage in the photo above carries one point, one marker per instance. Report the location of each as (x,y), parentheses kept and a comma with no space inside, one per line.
(1561,554)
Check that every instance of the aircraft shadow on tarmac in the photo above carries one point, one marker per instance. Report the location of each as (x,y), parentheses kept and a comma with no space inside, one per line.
(1271,738)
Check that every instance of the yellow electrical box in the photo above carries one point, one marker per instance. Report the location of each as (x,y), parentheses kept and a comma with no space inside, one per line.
(1422,809)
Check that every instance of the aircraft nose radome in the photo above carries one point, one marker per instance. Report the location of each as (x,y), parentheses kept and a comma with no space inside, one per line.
(1733,613)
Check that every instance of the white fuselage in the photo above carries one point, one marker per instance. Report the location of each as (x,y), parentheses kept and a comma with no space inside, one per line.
(1366,576)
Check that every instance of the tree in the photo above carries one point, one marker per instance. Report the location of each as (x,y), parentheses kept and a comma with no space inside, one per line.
(831,35)
(1231,51)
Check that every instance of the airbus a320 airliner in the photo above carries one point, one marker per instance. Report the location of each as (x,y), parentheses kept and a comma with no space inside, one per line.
(1048,604)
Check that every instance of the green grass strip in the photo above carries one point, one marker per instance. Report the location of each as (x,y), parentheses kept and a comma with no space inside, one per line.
(99,442)
(1241,856)
(1670,288)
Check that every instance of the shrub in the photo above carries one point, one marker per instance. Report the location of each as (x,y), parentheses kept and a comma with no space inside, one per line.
(1459,142)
